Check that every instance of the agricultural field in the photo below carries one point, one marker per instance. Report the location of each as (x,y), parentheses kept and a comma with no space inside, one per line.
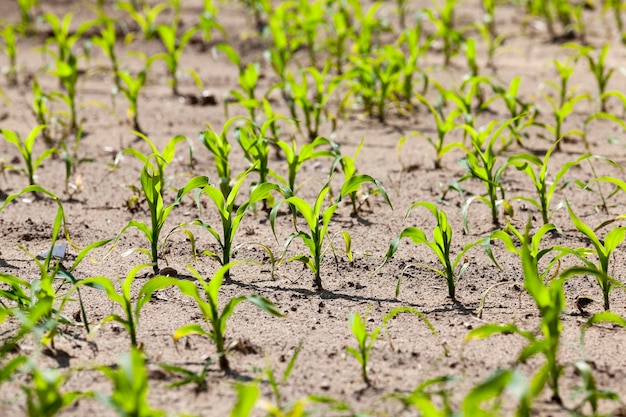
(330,208)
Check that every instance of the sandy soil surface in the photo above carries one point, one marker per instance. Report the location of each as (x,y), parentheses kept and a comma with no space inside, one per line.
(318,320)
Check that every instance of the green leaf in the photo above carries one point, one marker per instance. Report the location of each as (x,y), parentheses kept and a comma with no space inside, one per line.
(190,329)
(265,305)
(247,395)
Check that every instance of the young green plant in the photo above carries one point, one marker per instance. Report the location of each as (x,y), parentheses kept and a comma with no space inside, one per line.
(231,217)
(318,220)
(45,396)
(25,147)
(106,41)
(129,318)
(444,126)
(129,396)
(536,170)
(481,164)
(312,108)
(550,301)
(348,165)
(174,48)
(604,249)
(248,81)
(7,33)
(598,67)
(523,113)
(296,158)
(152,184)
(442,16)
(219,146)
(209,306)
(131,87)
(66,62)
(365,343)
(144,18)
(441,246)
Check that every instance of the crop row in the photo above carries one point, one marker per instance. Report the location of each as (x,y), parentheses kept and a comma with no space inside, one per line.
(355,63)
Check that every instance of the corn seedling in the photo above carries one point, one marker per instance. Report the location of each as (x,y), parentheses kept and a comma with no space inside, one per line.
(444,126)
(106,41)
(348,166)
(25,147)
(427,395)
(161,158)
(481,165)
(535,252)
(152,184)
(464,97)
(131,87)
(248,80)
(616,6)
(550,301)
(589,391)
(256,148)
(189,377)
(310,17)
(42,309)
(489,17)
(230,217)
(442,16)
(312,102)
(440,245)
(491,40)
(537,171)
(489,393)
(27,18)
(43,114)
(367,27)
(340,31)
(561,110)
(45,396)
(209,306)
(174,48)
(129,396)
(522,113)
(296,158)
(318,220)
(144,18)
(365,343)
(67,72)
(550,11)
(604,250)
(280,52)
(597,65)
(66,62)
(276,384)
(208,21)
(372,79)
(219,146)
(415,47)
(10,49)
(247,395)
(129,318)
